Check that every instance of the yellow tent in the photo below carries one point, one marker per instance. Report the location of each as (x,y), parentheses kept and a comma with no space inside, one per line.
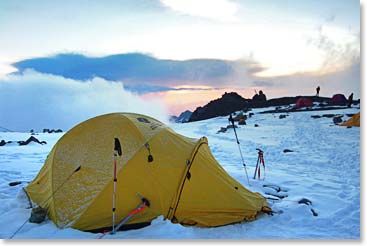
(178,175)
(353,121)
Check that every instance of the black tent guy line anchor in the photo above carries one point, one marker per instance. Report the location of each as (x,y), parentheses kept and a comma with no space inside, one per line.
(230,119)
(150,157)
(116,151)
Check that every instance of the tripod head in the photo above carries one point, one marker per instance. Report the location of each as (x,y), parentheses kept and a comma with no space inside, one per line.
(230,119)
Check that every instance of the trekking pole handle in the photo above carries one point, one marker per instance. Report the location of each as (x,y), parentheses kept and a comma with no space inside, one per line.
(143,199)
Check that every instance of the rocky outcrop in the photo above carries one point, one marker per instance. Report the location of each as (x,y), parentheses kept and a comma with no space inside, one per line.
(227,104)
(30,139)
(231,102)
(46,130)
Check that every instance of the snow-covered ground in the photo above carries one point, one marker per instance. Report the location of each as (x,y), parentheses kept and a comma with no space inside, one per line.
(324,168)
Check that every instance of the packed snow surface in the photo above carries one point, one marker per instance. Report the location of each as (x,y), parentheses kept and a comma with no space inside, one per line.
(323,167)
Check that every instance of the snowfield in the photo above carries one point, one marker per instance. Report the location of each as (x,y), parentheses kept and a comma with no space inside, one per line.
(323,167)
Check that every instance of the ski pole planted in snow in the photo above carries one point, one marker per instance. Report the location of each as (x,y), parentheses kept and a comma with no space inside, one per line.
(116,151)
(230,119)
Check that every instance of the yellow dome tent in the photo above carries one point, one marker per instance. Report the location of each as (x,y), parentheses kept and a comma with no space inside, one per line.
(178,175)
(353,121)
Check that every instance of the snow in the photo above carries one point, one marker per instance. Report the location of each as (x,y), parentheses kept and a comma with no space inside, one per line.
(324,168)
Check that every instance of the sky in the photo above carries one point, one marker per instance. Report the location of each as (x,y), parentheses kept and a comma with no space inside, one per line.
(192,51)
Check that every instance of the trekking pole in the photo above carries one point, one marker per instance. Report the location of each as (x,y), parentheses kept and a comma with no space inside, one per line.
(144,203)
(239,147)
(116,151)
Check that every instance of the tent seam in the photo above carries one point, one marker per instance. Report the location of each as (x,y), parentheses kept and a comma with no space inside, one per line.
(177,198)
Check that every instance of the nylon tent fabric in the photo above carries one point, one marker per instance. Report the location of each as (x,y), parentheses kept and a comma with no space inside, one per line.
(184,182)
(353,121)
(303,102)
(339,99)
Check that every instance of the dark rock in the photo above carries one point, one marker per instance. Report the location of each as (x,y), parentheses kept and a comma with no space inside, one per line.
(274,187)
(227,104)
(287,151)
(256,125)
(305,201)
(182,118)
(282,116)
(38,215)
(259,97)
(231,126)
(222,129)
(239,117)
(272,198)
(15,183)
(328,115)
(276,195)
(314,212)
(250,115)
(31,139)
(337,120)
(46,130)
(2,142)
(242,122)
(173,118)
(316,116)
(231,102)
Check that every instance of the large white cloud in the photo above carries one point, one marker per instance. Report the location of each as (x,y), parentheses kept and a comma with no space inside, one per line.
(35,101)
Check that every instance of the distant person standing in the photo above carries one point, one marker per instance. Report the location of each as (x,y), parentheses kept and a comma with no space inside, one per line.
(350,100)
(318,91)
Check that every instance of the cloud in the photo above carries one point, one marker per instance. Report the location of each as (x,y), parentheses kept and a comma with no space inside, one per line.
(35,101)
(263,83)
(330,18)
(343,81)
(146,88)
(132,69)
(213,9)
(340,48)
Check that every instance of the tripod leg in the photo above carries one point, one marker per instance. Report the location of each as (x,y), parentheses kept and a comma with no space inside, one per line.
(257,165)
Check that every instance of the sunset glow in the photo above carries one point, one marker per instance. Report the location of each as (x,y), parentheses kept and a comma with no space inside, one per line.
(182,100)
(190,51)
